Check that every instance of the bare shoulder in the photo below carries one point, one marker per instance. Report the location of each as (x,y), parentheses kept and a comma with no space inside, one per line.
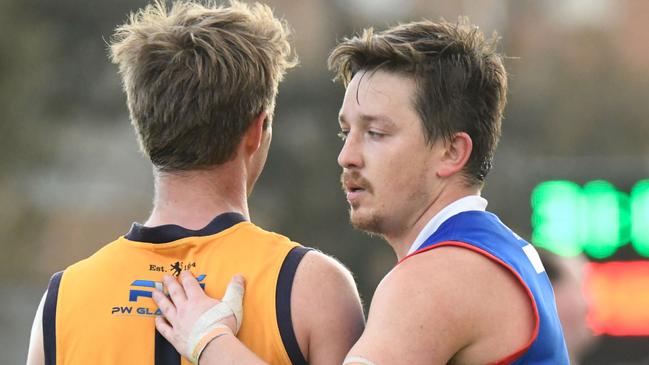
(324,282)
(325,305)
(316,265)
(447,305)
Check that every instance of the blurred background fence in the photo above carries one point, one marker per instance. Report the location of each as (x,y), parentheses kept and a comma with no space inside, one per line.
(72,178)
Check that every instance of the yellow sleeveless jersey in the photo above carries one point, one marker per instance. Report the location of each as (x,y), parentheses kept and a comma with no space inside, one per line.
(100,311)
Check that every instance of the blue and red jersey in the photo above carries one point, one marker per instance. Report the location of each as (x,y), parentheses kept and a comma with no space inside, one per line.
(484,233)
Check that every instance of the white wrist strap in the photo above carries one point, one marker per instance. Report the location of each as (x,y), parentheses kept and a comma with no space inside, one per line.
(208,325)
(357,360)
(218,331)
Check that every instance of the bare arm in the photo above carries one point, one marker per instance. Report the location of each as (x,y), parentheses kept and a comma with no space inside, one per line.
(326,310)
(35,354)
(448,305)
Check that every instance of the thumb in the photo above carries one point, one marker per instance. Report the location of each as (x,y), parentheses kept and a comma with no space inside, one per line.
(234,298)
(238,280)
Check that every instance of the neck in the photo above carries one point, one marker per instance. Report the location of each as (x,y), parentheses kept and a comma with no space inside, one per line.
(402,239)
(191,199)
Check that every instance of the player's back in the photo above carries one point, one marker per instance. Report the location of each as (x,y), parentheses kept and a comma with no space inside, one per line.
(100,310)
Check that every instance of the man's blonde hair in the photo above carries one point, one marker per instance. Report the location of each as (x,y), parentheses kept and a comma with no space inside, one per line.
(196,75)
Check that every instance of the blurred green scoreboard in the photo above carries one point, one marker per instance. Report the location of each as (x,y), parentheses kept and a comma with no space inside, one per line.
(597,219)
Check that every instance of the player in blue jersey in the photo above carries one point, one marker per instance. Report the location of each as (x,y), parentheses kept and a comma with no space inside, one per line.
(420,122)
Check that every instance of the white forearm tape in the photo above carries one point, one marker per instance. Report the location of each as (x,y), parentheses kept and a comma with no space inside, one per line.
(208,325)
(350,360)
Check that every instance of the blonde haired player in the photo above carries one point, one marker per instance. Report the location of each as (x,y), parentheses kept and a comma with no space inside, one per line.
(420,123)
(201,82)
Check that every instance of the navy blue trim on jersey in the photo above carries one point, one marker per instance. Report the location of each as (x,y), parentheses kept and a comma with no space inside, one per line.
(165,353)
(49,319)
(171,232)
(283,304)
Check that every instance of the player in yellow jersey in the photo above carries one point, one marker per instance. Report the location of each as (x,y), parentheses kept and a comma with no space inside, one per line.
(201,83)
(420,121)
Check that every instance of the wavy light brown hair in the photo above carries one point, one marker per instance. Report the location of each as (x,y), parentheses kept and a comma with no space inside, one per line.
(196,75)
(460,77)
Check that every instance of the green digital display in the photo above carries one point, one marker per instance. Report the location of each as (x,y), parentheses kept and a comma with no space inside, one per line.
(596,219)
(640,217)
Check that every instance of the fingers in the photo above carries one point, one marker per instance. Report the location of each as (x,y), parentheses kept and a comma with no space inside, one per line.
(170,334)
(239,279)
(165,305)
(164,328)
(235,290)
(234,298)
(190,285)
(176,292)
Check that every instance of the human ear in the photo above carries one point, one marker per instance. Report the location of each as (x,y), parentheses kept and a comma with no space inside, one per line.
(254,135)
(455,155)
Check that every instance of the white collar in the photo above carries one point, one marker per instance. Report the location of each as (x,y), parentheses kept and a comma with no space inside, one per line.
(471,202)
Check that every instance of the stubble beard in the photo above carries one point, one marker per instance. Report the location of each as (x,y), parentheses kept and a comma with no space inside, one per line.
(370,223)
(384,225)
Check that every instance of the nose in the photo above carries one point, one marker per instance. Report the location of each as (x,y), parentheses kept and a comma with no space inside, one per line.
(350,155)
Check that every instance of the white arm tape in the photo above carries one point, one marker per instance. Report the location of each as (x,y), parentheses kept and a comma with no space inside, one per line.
(357,360)
(232,304)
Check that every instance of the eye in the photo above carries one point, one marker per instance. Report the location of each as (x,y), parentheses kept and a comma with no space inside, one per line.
(343,135)
(375,134)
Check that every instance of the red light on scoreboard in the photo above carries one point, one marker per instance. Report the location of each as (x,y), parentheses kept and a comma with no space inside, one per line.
(618,293)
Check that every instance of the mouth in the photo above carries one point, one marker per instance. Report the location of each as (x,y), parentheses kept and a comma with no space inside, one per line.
(353,192)
(354,186)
